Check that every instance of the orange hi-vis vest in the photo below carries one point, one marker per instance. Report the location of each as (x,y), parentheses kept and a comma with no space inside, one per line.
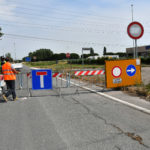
(7,72)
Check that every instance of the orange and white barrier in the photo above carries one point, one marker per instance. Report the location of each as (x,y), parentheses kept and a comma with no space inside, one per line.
(89,72)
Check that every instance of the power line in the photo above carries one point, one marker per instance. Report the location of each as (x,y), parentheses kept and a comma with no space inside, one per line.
(66,41)
(66,20)
(36,6)
(62,12)
(63,28)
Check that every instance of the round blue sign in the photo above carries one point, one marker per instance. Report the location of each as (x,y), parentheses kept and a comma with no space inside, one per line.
(131,70)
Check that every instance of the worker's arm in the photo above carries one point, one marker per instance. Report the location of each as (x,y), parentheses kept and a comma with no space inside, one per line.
(15,71)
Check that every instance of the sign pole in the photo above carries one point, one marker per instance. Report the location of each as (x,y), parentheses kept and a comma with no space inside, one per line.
(82,58)
(134,49)
(136,52)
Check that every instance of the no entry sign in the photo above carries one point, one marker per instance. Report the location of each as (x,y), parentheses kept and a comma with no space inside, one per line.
(67,55)
(135,30)
(116,71)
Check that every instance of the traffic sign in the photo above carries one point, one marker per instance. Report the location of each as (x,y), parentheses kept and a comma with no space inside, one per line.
(28,59)
(67,55)
(116,71)
(131,70)
(121,73)
(41,79)
(135,30)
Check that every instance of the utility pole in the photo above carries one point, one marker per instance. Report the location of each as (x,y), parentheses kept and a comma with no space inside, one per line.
(15,50)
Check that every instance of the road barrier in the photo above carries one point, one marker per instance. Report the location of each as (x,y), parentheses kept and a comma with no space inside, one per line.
(89,78)
(57,74)
(89,72)
(60,81)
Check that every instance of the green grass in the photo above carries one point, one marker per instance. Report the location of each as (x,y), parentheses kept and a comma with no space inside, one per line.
(148,87)
(40,63)
(62,65)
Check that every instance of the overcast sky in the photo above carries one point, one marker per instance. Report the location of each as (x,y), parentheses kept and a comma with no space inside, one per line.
(68,25)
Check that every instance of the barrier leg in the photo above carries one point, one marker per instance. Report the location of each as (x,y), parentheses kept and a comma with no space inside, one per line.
(21,81)
(67,80)
(29,94)
(77,90)
(56,82)
(61,81)
(60,91)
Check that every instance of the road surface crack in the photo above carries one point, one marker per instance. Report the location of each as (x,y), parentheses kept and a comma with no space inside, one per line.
(118,148)
(133,136)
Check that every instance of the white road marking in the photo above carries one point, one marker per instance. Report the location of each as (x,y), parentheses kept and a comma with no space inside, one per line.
(145,110)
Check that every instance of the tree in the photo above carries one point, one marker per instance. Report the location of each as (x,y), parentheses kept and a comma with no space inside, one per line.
(1,34)
(92,51)
(8,55)
(74,56)
(104,51)
(42,54)
(61,56)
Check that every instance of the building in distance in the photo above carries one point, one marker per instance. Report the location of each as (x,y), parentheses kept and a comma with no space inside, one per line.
(141,50)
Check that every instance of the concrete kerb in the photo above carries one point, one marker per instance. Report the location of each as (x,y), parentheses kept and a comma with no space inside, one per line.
(139,108)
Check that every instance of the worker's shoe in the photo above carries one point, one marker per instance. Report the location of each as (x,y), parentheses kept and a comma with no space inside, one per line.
(15,99)
(4,97)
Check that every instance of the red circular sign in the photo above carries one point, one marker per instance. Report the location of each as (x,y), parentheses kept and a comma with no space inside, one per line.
(135,30)
(116,71)
(67,55)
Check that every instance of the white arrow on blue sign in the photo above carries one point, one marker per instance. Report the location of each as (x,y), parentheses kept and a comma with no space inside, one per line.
(131,70)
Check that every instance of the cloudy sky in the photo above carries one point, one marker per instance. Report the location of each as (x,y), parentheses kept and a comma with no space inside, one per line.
(69,25)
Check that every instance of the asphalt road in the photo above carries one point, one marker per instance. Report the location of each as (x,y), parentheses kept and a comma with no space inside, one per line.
(73,121)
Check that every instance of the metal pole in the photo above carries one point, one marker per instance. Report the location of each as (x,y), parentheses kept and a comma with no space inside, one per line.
(82,58)
(132,11)
(61,81)
(69,79)
(136,50)
(15,50)
(28,87)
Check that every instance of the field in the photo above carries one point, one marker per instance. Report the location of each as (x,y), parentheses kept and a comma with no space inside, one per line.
(62,65)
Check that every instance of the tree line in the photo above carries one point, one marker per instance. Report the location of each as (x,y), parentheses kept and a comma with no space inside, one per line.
(48,55)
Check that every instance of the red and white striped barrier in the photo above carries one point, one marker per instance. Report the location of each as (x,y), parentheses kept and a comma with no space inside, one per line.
(89,72)
(29,74)
(57,74)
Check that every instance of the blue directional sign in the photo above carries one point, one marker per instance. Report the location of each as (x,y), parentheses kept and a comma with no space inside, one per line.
(28,59)
(41,79)
(131,70)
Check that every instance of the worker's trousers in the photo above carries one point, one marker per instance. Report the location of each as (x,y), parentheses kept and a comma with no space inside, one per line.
(11,88)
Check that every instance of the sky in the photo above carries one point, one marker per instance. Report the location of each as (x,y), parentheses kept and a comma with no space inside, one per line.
(67,26)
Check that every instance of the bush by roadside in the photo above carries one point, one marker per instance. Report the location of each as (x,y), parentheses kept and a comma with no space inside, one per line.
(140,90)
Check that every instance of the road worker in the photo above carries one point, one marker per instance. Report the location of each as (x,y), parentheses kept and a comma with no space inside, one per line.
(9,76)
